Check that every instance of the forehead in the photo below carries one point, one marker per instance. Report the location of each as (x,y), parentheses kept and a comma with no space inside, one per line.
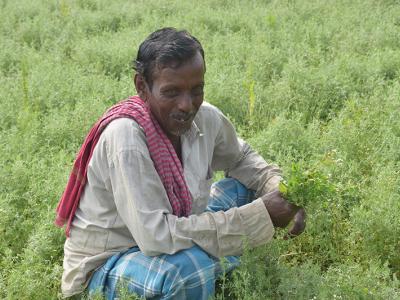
(189,72)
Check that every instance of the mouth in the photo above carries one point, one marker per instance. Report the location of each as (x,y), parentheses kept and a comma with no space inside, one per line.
(183,119)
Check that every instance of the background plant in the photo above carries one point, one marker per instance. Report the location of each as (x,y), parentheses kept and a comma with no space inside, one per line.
(311,84)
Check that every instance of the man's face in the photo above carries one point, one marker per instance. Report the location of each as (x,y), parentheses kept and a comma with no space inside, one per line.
(176,96)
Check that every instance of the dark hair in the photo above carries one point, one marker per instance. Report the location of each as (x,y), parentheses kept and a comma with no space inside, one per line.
(166,47)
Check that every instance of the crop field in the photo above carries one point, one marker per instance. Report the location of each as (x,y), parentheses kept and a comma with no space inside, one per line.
(313,86)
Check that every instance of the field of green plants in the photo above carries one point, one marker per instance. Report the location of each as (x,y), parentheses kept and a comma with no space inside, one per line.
(314,86)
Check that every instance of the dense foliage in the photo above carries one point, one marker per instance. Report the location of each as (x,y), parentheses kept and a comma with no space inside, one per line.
(312,85)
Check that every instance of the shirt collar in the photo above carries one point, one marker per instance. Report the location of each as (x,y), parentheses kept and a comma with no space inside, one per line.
(193,132)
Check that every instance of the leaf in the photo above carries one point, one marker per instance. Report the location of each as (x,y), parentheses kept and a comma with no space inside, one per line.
(283,188)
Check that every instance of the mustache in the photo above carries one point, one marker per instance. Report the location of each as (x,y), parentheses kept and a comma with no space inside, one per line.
(181,115)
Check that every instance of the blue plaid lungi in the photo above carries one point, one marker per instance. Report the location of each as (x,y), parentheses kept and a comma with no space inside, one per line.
(187,274)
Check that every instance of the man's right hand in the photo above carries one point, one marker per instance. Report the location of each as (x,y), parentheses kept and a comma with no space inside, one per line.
(282,212)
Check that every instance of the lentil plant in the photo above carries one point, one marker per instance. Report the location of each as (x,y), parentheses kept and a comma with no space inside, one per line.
(312,85)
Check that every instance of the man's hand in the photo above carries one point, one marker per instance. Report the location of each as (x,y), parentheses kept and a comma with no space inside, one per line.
(282,212)
(299,223)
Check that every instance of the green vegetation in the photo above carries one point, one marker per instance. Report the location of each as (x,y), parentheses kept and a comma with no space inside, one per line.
(312,85)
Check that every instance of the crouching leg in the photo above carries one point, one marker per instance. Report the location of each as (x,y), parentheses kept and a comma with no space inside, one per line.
(188,274)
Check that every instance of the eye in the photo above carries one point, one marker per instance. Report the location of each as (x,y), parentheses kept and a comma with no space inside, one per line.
(170,93)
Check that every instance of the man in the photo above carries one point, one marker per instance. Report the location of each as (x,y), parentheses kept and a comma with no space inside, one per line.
(139,211)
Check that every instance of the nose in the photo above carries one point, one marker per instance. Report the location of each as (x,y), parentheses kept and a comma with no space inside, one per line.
(185,103)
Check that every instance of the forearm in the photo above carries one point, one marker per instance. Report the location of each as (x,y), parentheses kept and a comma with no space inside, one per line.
(225,233)
(218,233)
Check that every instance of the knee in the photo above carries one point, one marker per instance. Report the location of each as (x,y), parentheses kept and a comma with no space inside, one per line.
(191,269)
(190,261)
(227,183)
(228,193)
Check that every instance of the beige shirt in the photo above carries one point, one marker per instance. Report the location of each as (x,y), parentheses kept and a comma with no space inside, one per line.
(124,203)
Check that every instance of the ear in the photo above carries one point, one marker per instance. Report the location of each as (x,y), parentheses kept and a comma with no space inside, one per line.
(141,86)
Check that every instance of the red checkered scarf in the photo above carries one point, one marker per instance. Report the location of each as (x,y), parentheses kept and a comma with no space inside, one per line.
(162,153)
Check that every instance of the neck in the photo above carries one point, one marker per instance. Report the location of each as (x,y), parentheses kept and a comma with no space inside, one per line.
(176,143)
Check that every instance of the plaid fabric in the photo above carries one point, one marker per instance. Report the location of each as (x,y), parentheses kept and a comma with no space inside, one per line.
(162,152)
(188,274)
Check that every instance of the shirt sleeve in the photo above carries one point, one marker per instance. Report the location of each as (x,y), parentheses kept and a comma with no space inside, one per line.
(240,161)
(143,205)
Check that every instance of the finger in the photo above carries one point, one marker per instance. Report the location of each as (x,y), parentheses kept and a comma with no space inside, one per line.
(299,223)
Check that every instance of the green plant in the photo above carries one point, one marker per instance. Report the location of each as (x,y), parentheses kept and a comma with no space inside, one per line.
(313,86)
(303,186)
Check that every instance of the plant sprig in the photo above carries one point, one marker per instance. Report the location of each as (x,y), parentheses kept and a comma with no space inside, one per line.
(304,186)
